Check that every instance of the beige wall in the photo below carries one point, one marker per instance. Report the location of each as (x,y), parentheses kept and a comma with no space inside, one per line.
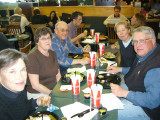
(97,11)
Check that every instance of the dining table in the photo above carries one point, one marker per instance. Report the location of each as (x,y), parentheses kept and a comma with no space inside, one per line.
(61,99)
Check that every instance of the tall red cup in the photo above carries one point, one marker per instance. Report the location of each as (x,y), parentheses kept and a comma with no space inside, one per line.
(75,81)
(97,37)
(101,49)
(90,77)
(92,32)
(96,92)
(92,56)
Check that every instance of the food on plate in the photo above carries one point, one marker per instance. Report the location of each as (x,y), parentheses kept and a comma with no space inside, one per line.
(86,55)
(89,37)
(109,55)
(68,75)
(103,60)
(101,37)
(102,81)
(100,76)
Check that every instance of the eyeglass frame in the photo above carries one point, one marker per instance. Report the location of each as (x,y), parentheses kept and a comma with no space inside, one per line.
(48,38)
(141,41)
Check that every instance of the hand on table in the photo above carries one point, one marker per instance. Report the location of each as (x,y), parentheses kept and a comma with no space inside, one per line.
(118,90)
(44,101)
(114,69)
(85,60)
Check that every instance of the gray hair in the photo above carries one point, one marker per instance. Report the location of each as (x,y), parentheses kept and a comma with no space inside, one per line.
(146,30)
(9,57)
(17,10)
(57,24)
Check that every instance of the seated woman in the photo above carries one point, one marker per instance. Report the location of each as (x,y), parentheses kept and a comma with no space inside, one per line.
(127,52)
(53,19)
(14,104)
(137,20)
(43,69)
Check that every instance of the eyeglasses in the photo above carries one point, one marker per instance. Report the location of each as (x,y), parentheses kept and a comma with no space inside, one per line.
(43,38)
(63,30)
(141,41)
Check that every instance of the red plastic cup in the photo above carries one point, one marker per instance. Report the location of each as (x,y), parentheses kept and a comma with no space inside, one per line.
(97,37)
(75,81)
(101,49)
(96,92)
(92,56)
(90,77)
(92,32)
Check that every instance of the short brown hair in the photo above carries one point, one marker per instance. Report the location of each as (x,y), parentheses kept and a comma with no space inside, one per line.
(117,7)
(42,31)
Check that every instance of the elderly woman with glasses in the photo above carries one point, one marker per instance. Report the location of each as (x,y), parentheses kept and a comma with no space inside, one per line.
(43,69)
(14,104)
(127,52)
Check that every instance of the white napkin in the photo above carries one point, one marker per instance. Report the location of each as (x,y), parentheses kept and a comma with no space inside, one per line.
(77,107)
(87,90)
(111,102)
(82,69)
(64,87)
(88,41)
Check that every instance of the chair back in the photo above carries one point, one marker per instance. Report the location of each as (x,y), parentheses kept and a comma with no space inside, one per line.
(14,29)
(81,28)
(35,26)
(26,49)
(111,33)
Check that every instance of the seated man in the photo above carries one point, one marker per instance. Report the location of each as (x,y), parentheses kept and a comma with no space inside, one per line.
(19,18)
(116,16)
(142,99)
(63,46)
(37,18)
(73,26)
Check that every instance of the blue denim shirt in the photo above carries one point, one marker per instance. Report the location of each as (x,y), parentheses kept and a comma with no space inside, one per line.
(150,98)
(63,49)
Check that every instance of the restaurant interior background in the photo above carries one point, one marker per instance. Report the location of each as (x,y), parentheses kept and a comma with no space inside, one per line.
(95,11)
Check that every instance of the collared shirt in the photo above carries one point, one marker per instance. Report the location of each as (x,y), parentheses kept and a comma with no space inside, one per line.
(72,30)
(151,83)
(63,49)
(127,43)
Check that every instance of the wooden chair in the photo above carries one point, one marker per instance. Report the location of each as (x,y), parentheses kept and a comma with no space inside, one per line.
(15,29)
(35,26)
(81,28)
(111,33)
(27,48)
